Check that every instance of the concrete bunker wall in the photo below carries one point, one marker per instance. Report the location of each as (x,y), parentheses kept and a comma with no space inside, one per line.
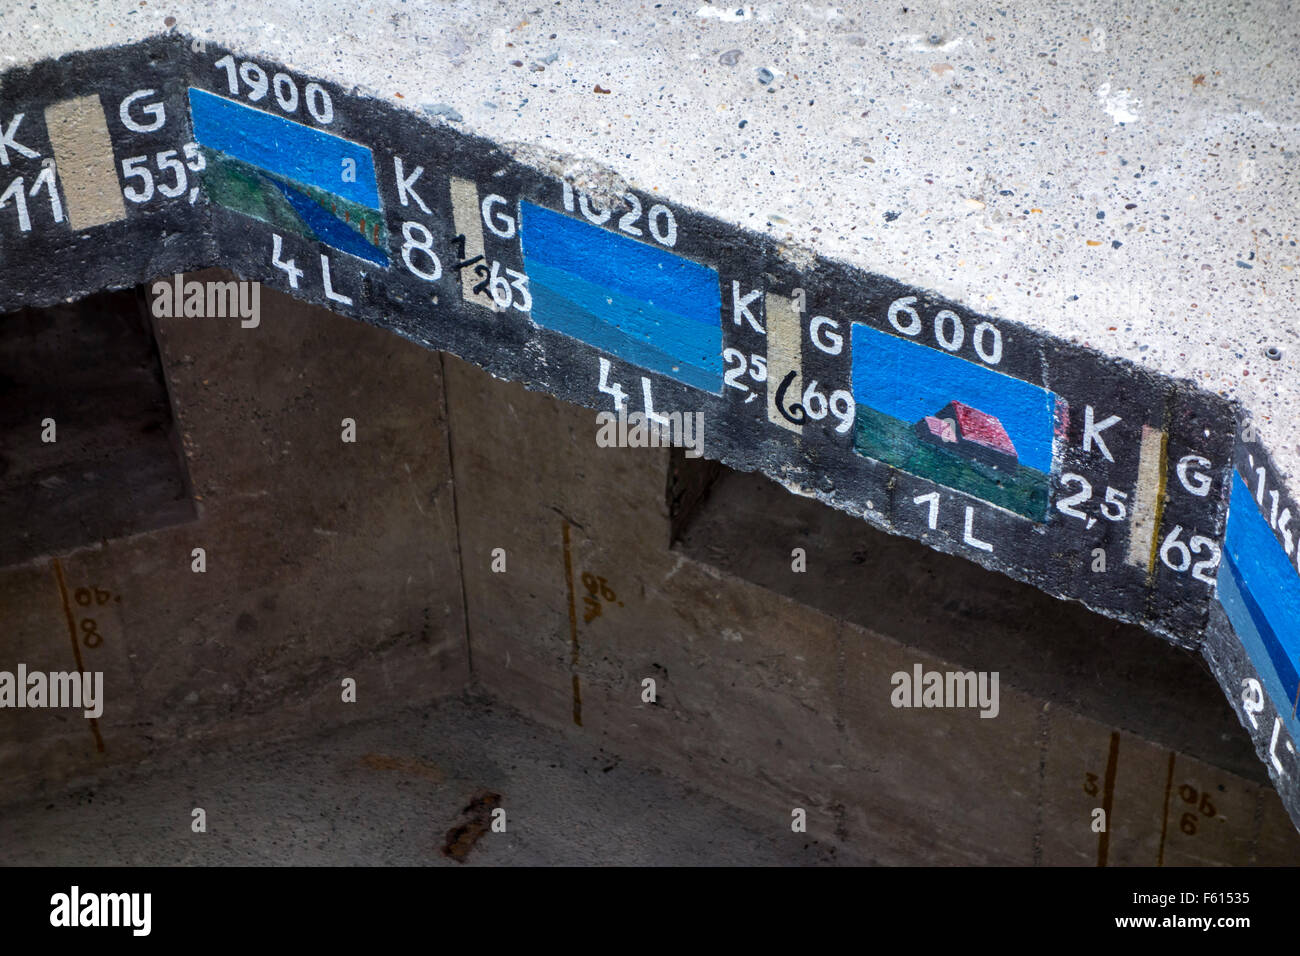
(321,560)
(378,560)
(803,368)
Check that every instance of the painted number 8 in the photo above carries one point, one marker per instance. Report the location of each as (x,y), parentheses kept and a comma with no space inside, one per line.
(419,239)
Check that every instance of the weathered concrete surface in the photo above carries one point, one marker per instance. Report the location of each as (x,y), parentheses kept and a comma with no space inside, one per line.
(1056,396)
(1056,651)
(764,703)
(115,468)
(1005,187)
(775,705)
(385,792)
(1010,141)
(324,560)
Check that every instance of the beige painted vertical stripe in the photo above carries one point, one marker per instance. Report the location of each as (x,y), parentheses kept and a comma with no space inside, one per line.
(784,355)
(465,219)
(83,160)
(1148,499)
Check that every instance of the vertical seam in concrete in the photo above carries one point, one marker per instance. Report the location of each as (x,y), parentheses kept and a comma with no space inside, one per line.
(1108,799)
(455,511)
(573,627)
(176,434)
(1044,735)
(1164,823)
(1257,822)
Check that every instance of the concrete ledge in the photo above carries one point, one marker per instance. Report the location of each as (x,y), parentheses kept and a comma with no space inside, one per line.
(1119,485)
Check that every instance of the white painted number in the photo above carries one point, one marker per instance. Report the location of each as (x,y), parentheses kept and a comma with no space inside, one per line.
(953,342)
(287,265)
(499,287)
(255,77)
(283,85)
(1252,699)
(1177,556)
(620,396)
(844,408)
(44,180)
(732,375)
(133,167)
(992,354)
(932,499)
(1201,570)
(1112,508)
(904,306)
(627,222)
(286,92)
(597,217)
(15,192)
(419,239)
(227,63)
(319,104)
(167,160)
(519,282)
(1178,549)
(839,403)
(1116,499)
(949,331)
(194,159)
(663,225)
(754,365)
(814,402)
(1067,505)
(660,220)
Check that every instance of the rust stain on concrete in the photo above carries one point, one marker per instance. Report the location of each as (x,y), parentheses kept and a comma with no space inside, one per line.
(411,766)
(463,837)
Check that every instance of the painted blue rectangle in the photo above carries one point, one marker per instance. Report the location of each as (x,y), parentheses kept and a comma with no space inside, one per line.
(1244,620)
(297,152)
(648,306)
(329,230)
(908,381)
(1262,596)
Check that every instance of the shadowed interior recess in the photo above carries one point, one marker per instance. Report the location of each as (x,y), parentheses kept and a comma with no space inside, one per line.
(85,374)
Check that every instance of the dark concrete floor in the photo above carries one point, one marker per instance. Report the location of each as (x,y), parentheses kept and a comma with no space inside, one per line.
(387,792)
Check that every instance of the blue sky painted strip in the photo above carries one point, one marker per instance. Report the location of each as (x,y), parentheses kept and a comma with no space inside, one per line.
(301,153)
(1262,593)
(909,381)
(696,343)
(552,310)
(648,306)
(635,269)
(1244,620)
